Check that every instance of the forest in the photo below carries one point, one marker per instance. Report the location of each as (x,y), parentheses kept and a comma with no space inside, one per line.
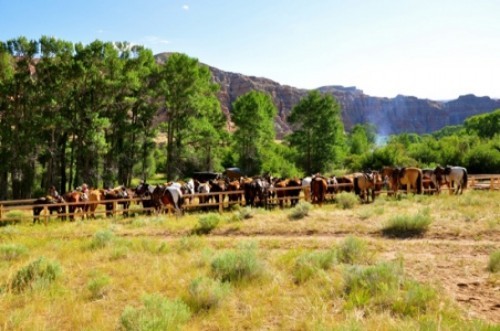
(73,113)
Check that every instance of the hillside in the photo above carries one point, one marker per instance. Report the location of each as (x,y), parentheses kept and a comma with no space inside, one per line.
(390,115)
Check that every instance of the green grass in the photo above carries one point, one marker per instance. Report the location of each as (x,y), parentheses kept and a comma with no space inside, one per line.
(353,251)
(300,211)
(10,252)
(207,223)
(237,264)
(310,264)
(346,200)
(494,262)
(158,313)
(205,293)
(37,274)
(404,226)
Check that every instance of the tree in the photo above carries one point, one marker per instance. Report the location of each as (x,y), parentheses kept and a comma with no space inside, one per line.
(319,132)
(485,125)
(253,113)
(188,95)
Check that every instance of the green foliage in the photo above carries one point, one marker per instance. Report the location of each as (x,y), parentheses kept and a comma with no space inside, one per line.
(158,313)
(10,252)
(484,125)
(494,263)
(253,113)
(206,223)
(346,200)
(101,239)
(98,286)
(205,293)
(318,134)
(353,251)
(408,226)
(309,264)
(300,211)
(243,213)
(483,158)
(384,286)
(238,264)
(38,273)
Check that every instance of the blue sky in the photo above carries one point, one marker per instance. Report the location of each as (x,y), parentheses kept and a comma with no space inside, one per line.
(430,49)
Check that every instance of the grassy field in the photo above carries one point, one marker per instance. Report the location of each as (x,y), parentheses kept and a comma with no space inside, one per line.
(420,262)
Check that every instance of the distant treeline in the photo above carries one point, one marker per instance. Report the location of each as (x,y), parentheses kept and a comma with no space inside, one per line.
(74,113)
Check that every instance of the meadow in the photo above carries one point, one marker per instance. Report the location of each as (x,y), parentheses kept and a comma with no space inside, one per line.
(418,262)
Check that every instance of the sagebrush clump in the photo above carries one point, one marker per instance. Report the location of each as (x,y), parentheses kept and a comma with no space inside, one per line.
(38,273)
(237,264)
(158,313)
(403,226)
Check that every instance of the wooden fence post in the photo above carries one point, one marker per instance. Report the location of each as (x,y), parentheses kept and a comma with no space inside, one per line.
(1,212)
(114,209)
(46,216)
(221,202)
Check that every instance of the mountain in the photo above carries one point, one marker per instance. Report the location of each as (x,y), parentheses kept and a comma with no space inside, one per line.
(390,115)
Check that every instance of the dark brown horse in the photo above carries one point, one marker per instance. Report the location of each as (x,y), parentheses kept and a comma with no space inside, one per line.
(118,195)
(319,186)
(53,205)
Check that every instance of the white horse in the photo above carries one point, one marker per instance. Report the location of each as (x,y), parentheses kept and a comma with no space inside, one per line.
(456,175)
(306,187)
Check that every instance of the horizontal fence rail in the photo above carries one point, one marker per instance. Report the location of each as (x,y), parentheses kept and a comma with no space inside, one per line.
(12,211)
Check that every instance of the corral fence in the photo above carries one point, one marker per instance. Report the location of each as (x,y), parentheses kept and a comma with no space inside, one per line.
(13,211)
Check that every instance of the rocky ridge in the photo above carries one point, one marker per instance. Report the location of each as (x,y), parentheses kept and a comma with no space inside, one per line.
(390,115)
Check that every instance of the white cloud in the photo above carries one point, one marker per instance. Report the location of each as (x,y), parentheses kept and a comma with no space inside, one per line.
(155,40)
(185,7)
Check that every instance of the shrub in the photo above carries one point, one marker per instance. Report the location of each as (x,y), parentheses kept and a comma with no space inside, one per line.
(101,239)
(346,200)
(11,252)
(372,285)
(384,286)
(307,265)
(494,263)
(237,265)
(205,293)
(207,223)
(244,213)
(158,313)
(38,273)
(353,251)
(404,226)
(300,211)
(98,286)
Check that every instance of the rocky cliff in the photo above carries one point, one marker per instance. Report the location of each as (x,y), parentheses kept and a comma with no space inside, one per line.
(390,115)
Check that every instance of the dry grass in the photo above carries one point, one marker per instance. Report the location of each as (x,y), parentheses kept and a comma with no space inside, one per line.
(157,255)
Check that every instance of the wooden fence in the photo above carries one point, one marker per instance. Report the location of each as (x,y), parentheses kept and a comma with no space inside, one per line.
(12,211)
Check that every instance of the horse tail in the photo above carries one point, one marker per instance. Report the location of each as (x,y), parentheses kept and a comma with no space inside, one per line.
(357,190)
(419,182)
(464,179)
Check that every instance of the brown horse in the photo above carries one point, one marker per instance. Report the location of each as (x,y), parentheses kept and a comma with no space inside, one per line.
(234,186)
(365,185)
(319,186)
(281,194)
(76,202)
(345,183)
(410,177)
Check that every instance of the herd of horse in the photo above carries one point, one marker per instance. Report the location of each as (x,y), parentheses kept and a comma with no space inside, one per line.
(258,191)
